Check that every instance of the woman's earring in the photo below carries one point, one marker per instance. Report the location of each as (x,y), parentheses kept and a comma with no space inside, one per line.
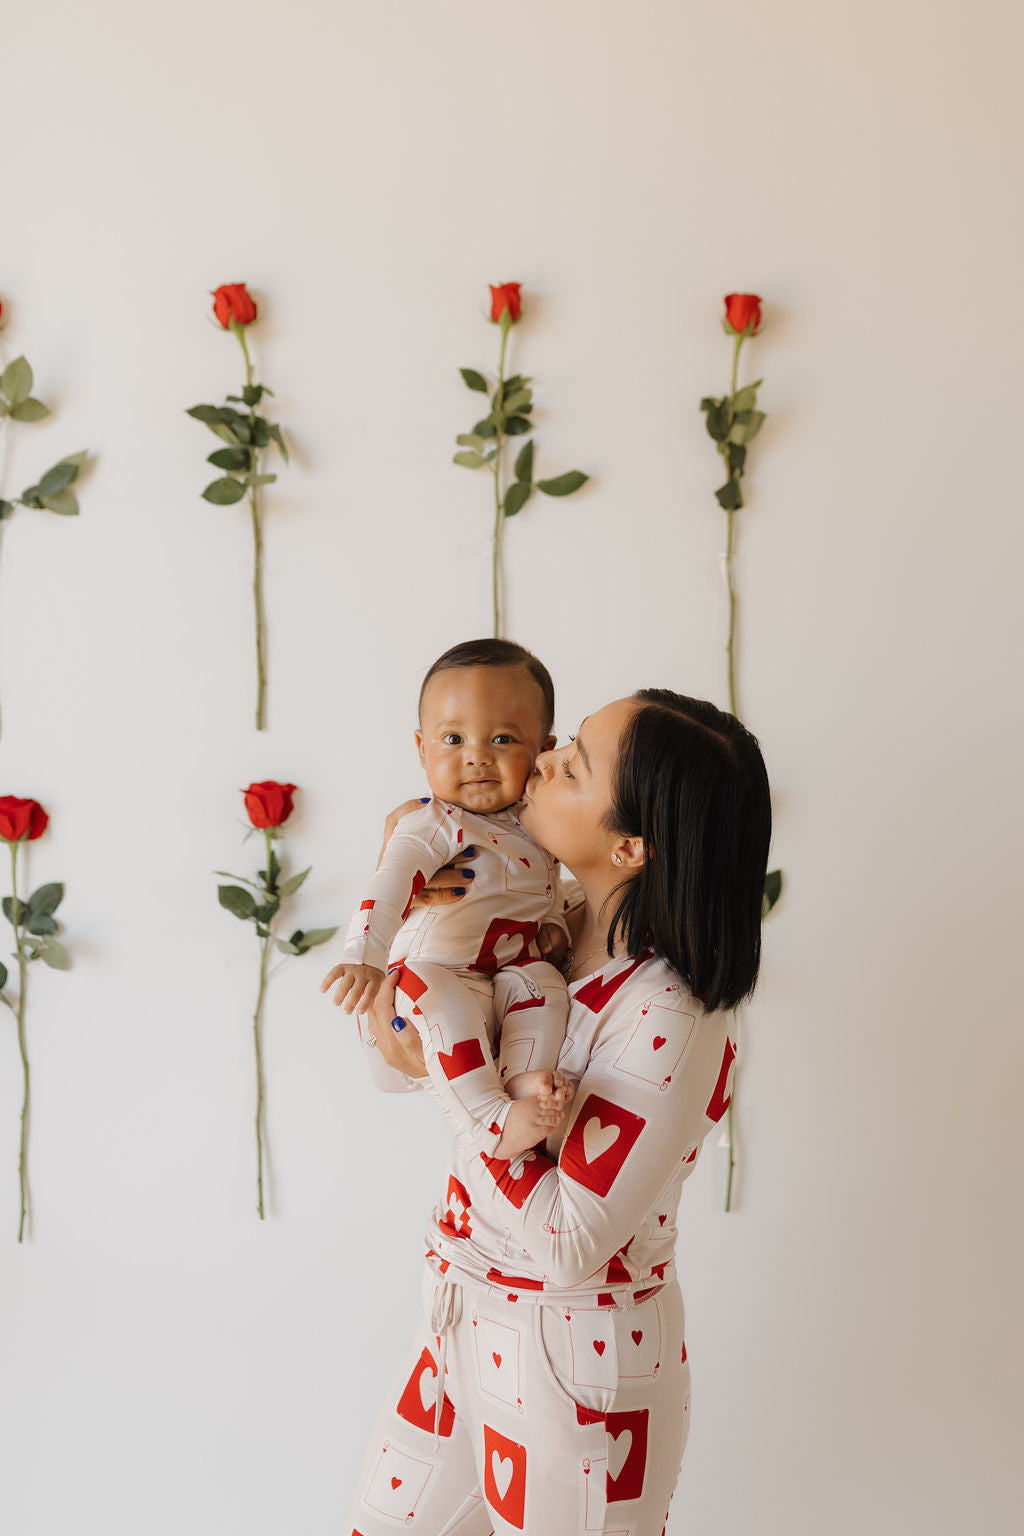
(617,859)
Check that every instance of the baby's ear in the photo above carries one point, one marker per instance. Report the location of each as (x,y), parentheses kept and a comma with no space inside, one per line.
(548,743)
(419,747)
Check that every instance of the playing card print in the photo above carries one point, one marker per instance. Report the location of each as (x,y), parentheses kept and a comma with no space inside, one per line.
(517,1179)
(595,1492)
(418,1402)
(639,1342)
(654,1049)
(497,1360)
(506,942)
(455,1220)
(397,1483)
(627,1453)
(722,1095)
(505,1477)
(593,1356)
(601,1138)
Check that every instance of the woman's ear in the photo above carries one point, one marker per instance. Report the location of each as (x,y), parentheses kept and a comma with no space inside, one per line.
(628,854)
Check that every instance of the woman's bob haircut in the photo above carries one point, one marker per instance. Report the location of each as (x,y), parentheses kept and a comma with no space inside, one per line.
(691,783)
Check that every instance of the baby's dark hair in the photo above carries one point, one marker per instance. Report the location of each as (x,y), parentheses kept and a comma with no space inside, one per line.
(497,653)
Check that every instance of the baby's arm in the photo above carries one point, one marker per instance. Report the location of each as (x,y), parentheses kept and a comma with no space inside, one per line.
(423,841)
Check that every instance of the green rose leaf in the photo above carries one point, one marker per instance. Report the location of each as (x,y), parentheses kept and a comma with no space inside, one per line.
(524,462)
(747,425)
(520,401)
(708,401)
(16,381)
(223,493)
(737,457)
(252,394)
(275,433)
(46,899)
(470,440)
(563,485)
(63,502)
(230,458)
(516,426)
(718,420)
(291,886)
(772,890)
(316,936)
(41,924)
(14,914)
(3,977)
(29,410)
(213,415)
(516,497)
(729,496)
(56,478)
(485,429)
(287,947)
(257,480)
(260,432)
(471,377)
(268,910)
(469,458)
(746,398)
(6,508)
(55,955)
(238,902)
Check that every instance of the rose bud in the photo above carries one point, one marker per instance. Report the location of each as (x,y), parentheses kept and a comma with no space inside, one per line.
(506,297)
(740,310)
(21,820)
(269,804)
(231,301)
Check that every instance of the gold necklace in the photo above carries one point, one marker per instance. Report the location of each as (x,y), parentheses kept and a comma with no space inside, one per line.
(575,968)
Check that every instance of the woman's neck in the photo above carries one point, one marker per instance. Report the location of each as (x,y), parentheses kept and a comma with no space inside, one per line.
(591,935)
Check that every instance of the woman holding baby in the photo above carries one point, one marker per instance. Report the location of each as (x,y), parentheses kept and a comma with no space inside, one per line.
(547,1390)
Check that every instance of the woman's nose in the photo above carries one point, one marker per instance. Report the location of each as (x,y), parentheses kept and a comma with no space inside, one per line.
(545,764)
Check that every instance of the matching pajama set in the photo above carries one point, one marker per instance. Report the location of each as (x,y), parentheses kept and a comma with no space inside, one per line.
(547,1389)
(486,942)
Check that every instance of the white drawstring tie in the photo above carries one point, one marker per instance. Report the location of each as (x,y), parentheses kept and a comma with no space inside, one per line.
(445,1310)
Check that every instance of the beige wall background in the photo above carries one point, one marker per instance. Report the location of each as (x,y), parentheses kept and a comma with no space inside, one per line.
(166,1362)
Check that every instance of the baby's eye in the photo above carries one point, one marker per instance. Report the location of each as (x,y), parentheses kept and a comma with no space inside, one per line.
(503,740)
(451,739)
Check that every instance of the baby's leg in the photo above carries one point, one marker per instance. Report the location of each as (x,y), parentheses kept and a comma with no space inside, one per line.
(532,1007)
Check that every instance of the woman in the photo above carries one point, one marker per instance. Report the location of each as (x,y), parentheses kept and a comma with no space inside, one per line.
(550,1392)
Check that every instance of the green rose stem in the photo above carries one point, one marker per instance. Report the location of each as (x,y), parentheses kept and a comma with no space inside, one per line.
(257,1022)
(257,534)
(506,323)
(730,515)
(19,1013)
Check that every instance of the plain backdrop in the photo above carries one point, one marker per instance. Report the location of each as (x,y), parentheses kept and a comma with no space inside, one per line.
(167,1362)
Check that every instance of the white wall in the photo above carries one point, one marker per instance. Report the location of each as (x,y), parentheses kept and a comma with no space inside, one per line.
(166,1362)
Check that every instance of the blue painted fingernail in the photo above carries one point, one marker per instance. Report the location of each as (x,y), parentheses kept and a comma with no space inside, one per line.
(398,1025)
(468,874)
(469,853)
(458,890)
(393,968)
(424,799)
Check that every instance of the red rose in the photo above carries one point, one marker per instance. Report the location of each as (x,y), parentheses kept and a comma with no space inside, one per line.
(21,820)
(740,310)
(506,296)
(232,302)
(269,804)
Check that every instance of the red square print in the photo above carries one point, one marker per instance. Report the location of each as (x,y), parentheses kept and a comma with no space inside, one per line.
(418,1402)
(517,1180)
(627,1454)
(602,1137)
(505,1477)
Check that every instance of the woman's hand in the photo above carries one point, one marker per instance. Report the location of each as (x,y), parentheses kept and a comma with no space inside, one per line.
(450,882)
(401,1048)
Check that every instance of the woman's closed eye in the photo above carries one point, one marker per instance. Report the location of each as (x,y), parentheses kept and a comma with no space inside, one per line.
(565,768)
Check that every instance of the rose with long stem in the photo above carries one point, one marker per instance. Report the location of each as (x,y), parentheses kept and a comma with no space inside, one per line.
(269,805)
(732,422)
(34,927)
(509,416)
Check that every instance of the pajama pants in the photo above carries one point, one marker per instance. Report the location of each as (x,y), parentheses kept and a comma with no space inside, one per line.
(554,1420)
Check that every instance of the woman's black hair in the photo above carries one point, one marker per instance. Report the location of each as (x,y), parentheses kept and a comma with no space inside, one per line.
(497,653)
(691,782)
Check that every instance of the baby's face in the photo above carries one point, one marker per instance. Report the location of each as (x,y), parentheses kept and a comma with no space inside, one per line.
(480,731)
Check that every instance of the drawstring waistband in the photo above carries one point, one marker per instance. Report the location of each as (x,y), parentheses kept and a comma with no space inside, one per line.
(445,1310)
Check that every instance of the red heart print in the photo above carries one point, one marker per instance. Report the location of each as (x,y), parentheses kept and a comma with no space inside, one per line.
(496,1358)
(396,1482)
(638,1334)
(662,1220)
(659,1041)
(511,1296)
(599,1346)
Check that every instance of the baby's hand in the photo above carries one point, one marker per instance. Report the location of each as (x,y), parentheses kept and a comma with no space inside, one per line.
(357,988)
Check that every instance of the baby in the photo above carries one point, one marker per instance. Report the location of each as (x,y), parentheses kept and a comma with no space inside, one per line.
(486,710)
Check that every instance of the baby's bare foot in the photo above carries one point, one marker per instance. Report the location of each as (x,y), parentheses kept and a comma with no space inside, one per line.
(532,1120)
(529,1085)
